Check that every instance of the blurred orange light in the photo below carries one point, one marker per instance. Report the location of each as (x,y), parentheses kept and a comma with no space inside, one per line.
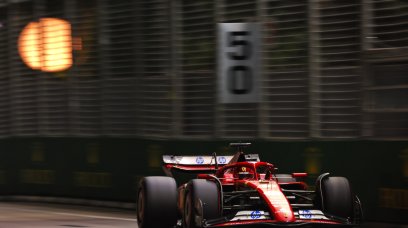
(46,45)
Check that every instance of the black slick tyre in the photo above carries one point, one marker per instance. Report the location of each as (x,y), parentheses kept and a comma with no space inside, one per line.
(206,194)
(337,197)
(157,202)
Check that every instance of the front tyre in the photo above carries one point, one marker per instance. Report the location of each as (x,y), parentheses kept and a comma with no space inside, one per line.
(202,202)
(157,202)
(337,197)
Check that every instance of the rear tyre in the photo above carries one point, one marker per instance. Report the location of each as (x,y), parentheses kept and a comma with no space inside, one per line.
(202,202)
(337,197)
(157,202)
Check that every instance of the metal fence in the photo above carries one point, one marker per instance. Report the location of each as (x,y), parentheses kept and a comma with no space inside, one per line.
(385,79)
(148,68)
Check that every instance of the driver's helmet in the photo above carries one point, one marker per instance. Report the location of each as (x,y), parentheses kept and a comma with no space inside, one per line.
(245,173)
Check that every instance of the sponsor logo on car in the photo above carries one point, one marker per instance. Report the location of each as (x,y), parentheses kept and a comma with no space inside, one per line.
(305,214)
(222,160)
(256,214)
(199,160)
(311,214)
(251,215)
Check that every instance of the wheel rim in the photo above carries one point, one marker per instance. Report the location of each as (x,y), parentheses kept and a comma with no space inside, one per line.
(140,207)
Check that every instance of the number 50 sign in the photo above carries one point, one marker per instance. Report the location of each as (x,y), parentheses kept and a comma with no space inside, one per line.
(238,59)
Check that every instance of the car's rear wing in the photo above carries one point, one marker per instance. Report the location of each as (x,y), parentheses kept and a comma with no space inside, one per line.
(204,163)
(194,163)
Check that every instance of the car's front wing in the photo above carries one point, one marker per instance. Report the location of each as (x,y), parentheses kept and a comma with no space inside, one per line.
(274,223)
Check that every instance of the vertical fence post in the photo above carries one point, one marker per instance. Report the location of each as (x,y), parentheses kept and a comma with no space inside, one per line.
(314,72)
(42,106)
(69,13)
(367,44)
(219,108)
(262,106)
(104,65)
(176,77)
(138,65)
(9,130)
(10,67)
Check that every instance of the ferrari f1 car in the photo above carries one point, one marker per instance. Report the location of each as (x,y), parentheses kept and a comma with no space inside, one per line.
(242,191)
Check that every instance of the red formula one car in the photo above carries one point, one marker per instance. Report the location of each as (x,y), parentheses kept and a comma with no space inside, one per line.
(242,191)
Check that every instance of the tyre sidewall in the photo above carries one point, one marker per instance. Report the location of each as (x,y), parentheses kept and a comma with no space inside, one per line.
(209,194)
(160,202)
(337,197)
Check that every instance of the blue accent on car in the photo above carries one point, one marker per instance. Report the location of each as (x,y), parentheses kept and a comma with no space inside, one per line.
(255,214)
(306,213)
(222,160)
(200,160)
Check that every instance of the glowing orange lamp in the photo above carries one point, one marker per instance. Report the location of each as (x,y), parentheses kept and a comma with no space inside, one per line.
(46,45)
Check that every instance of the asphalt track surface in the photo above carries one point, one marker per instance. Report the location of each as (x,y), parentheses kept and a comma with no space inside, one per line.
(36,215)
